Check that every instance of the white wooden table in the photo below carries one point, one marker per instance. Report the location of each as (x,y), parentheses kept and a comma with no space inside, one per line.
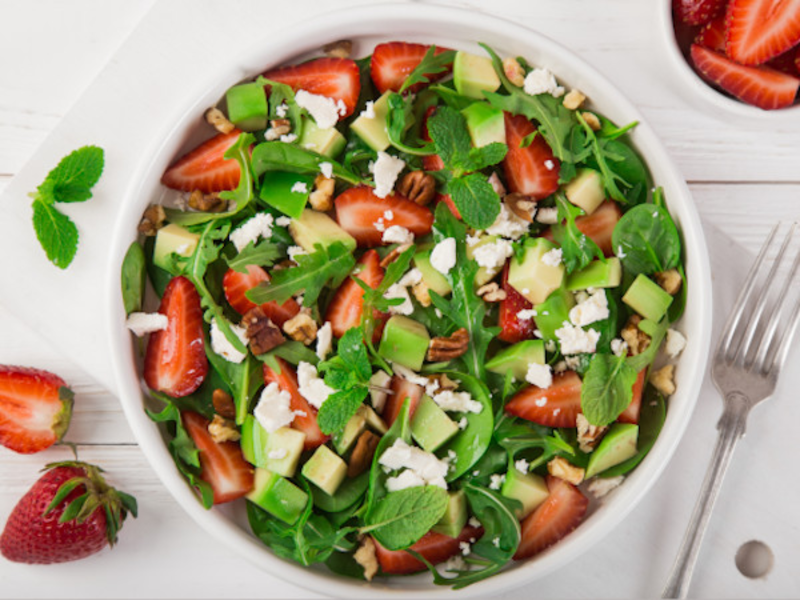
(743,178)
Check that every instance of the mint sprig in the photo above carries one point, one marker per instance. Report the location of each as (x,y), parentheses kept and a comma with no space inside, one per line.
(70,181)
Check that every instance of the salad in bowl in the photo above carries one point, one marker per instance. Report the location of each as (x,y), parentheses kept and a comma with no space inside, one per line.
(409,311)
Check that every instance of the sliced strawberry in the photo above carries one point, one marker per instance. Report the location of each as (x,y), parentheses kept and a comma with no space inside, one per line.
(305,419)
(393,62)
(345,308)
(555,406)
(222,464)
(175,361)
(787,62)
(558,515)
(697,12)
(599,225)
(205,168)
(401,388)
(336,78)
(512,328)
(35,409)
(434,547)
(713,35)
(532,170)
(759,30)
(759,86)
(236,284)
(358,209)
(631,414)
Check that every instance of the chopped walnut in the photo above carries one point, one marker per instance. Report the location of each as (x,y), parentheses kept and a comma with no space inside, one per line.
(514,71)
(592,121)
(422,293)
(366,557)
(217,119)
(588,435)
(361,457)
(392,256)
(573,100)
(521,205)
(664,380)
(263,334)
(152,220)
(223,404)
(418,186)
(338,49)
(443,382)
(277,128)
(448,348)
(491,292)
(637,340)
(223,430)
(559,467)
(211,203)
(670,281)
(321,198)
(301,328)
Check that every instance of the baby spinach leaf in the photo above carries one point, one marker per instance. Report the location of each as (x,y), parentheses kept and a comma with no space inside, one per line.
(578,249)
(515,436)
(279,156)
(400,518)
(646,240)
(349,492)
(607,388)
(133,278)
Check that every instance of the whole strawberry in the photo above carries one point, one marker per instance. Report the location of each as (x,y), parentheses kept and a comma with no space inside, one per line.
(68,514)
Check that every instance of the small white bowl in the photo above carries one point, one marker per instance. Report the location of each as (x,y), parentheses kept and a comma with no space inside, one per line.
(457,29)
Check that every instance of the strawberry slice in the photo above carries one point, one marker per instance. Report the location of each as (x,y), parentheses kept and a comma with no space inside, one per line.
(305,419)
(434,547)
(532,170)
(697,12)
(236,284)
(759,30)
(205,168)
(336,78)
(344,309)
(558,515)
(393,62)
(713,35)
(35,409)
(358,209)
(763,87)
(175,361)
(222,464)
(788,62)
(401,388)
(556,406)
(631,414)
(512,328)
(599,226)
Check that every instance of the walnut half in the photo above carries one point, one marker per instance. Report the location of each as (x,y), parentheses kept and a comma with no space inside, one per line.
(418,186)
(263,334)
(301,328)
(448,348)
(561,468)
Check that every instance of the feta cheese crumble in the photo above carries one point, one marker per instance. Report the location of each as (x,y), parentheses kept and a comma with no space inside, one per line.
(675,343)
(443,256)
(424,468)
(542,81)
(288,138)
(283,221)
(369,110)
(258,226)
(526,314)
(496,481)
(592,309)
(508,225)
(539,375)
(141,323)
(619,347)
(386,169)
(324,340)
(321,108)
(300,187)
(574,340)
(552,258)
(396,234)
(410,375)
(493,256)
(294,251)
(222,346)
(398,291)
(326,169)
(457,402)
(272,411)
(311,386)
(521,465)
(282,110)
(547,215)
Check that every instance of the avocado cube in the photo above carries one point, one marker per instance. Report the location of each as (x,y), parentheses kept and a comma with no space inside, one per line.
(372,419)
(535,277)
(404,341)
(473,75)
(278,496)
(373,130)
(516,358)
(173,239)
(528,488)
(278,451)
(597,274)
(551,314)
(432,278)
(647,298)
(586,190)
(318,228)
(430,426)
(455,515)
(325,469)
(328,142)
(344,439)
(485,123)
(617,446)
(280,189)
(247,106)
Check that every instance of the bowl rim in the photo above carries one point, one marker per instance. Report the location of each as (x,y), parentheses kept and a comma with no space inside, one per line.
(167,139)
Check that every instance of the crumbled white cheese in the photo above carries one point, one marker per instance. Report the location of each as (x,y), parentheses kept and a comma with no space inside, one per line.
(465,547)
(454,563)
(619,347)
(462,424)
(386,169)
(379,225)
(473,522)
(271,135)
(300,187)
(311,386)
(549,165)
(283,221)
(277,454)
(425,466)
(496,481)
(326,169)
(341,107)
(443,256)
(575,340)
(572,362)
(399,291)
(472,240)
(675,343)
(592,309)
(496,541)
(281,110)
(620,253)
(379,379)
(369,110)
(321,108)
(457,402)
(258,226)
(324,340)
(521,465)
(552,258)
(294,251)
(412,277)
(539,375)
(405,479)
(222,346)
(560,366)
(288,138)
(388,214)
(547,215)
(143,323)
(272,411)
(600,486)
(542,81)
(526,314)
(397,234)
(493,256)
(410,375)
(508,225)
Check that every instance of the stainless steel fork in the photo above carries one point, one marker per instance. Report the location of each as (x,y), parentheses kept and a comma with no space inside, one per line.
(745,369)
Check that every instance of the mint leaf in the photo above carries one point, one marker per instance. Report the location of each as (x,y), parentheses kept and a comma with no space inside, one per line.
(475,199)
(73,178)
(401,518)
(448,130)
(353,353)
(607,388)
(486,156)
(432,63)
(578,250)
(336,411)
(56,232)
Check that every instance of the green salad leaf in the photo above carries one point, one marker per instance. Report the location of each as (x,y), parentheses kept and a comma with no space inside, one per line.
(607,388)
(400,518)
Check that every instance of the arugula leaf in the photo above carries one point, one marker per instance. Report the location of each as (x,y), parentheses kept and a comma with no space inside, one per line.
(56,232)
(133,278)
(515,436)
(243,379)
(263,254)
(278,156)
(647,240)
(601,150)
(280,93)
(327,265)
(475,199)
(578,250)
(451,97)
(292,352)
(607,388)
(656,331)
(399,118)
(432,63)
(401,518)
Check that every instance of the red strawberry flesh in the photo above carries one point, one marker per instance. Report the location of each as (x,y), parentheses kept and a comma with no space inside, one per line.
(345,308)
(759,30)
(236,285)
(555,406)
(393,62)
(205,168)
(533,170)
(697,12)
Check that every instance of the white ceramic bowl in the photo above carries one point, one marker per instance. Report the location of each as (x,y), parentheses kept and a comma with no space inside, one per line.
(457,29)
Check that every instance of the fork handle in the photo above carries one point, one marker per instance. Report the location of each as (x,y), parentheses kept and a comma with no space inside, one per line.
(731,428)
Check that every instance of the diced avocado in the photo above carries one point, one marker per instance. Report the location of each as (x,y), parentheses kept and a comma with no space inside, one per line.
(318,228)
(618,445)
(373,131)
(551,314)
(483,275)
(173,239)
(281,190)
(597,274)
(278,496)
(474,74)
(405,341)
(485,123)
(455,515)
(533,277)
(372,419)
(528,488)
(328,142)
(247,106)
(344,439)
(285,445)
(432,278)
(516,358)
(325,469)
(430,426)
(647,298)
(586,190)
